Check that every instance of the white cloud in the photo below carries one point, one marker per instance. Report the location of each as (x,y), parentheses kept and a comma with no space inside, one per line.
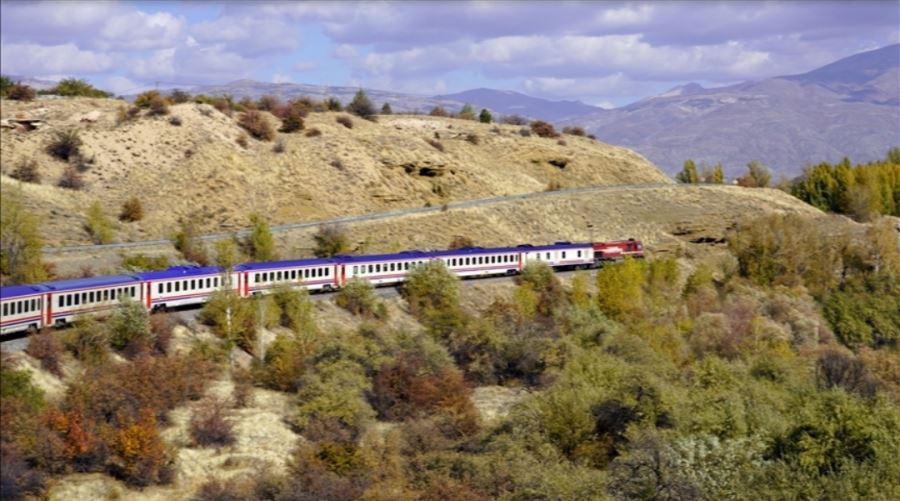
(345,51)
(38,60)
(280,78)
(140,31)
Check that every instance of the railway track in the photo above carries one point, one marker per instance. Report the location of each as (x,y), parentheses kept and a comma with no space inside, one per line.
(368,217)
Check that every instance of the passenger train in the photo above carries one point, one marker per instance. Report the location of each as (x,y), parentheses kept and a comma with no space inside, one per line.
(57,303)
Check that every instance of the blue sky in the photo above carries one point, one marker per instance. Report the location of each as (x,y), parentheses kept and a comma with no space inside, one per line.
(604,53)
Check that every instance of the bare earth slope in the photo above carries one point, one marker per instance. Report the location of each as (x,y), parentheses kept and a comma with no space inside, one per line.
(198,171)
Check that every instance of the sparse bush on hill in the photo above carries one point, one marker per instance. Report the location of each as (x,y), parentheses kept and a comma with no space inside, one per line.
(473,139)
(757,176)
(361,106)
(543,129)
(332,104)
(6,83)
(553,185)
(438,111)
(485,116)
(243,140)
(358,297)
(246,104)
(132,210)
(278,147)
(285,363)
(126,114)
(144,99)
(292,119)
(232,318)
(714,175)
(47,347)
(562,142)
(141,262)
(466,113)
(129,327)
(20,92)
(514,120)
(27,171)
(331,240)
(313,132)
(345,121)
(71,179)
(268,103)
(688,174)
(256,124)
(185,241)
(65,144)
(179,96)
(524,132)
(73,87)
(20,241)
(176,121)
(461,242)
(435,144)
(260,243)
(159,107)
(386,109)
(574,130)
(98,224)
(210,425)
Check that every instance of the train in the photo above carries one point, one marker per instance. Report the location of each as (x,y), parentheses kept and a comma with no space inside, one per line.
(31,307)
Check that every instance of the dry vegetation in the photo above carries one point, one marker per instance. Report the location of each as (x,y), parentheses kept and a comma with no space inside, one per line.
(198,171)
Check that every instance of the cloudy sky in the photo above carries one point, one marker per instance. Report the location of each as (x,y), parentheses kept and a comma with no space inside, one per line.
(604,53)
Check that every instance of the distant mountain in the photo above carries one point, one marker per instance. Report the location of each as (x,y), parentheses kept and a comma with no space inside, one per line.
(398,101)
(508,102)
(34,83)
(848,108)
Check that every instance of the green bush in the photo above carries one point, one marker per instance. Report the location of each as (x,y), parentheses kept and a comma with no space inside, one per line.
(361,106)
(98,224)
(74,87)
(232,318)
(260,243)
(331,240)
(358,297)
(129,327)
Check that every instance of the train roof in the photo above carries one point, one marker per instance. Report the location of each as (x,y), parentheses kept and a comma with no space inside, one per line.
(179,272)
(290,263)
(86,283)
(397,256)
(13,291)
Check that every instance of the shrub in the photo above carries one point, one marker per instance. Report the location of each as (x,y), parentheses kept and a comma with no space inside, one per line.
(140,453)
(757,176)
(179,96)
(553,185)
(268,103)
(292,118)
(357,297)
(574,130)
(472,138)
(515,120)
(562,142)
(71,87)
(162,326)
(127,114)
(98,224)
(144,99)
(485,116)
(186,242)
(260,243)
(386,109)
(65,144)
(688,174)
(20,240)
(256,124)
(338,164)
(176,121)
(27,171)
(278,147)
(466,113)
(18,479)
(438,111)
(834,368)
(431,288)
(159,107)
(461,242)
(6,83)
(435,144)
(246,104)
(242,140)
(524,132)
(543,129)
(331,240)
(295,309)
(333,104)
(47,347)
(140,262)
(232,489)
(87,341)
(345,121)
(232,318)
(132,210)
(210,425)
(285,363)
(20,92)
(313,132)
(361,106)
(227,253)
(129,327)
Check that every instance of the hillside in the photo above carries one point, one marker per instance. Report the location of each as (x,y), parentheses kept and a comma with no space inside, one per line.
(848,108)
(198,171)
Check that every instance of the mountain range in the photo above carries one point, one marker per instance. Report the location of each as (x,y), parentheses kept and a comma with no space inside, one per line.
(847,108)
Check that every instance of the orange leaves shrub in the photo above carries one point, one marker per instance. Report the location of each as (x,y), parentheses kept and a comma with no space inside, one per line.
(72,441)
(543,129)
(405,389)
(46,347)
(139,453)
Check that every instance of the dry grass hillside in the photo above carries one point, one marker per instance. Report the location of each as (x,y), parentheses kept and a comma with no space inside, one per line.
(197,170)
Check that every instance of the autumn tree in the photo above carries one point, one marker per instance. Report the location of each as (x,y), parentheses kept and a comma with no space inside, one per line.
(331,240)
(466,113)
(98,224)
(757,176)
(688,174)
(260,243)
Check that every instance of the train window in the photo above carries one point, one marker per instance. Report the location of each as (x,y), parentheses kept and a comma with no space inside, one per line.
(579,254)
(256,278)
(133,292)
(193,284)
(106,295)
(327,272)
(33,304)
(5,310)
(278,276)
(406,265)
(293,274)
(169,287)
(548,256)
(68,300)
(355,269)
(371,268)
(321,272)
(18,307)
(215,281)
(563,254)
(178,286)
(160,288)
(77,299)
